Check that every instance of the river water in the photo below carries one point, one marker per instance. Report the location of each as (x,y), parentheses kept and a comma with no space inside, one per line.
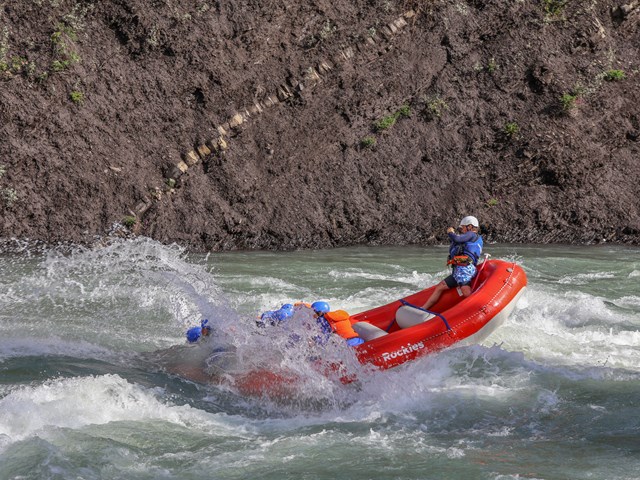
(88,340)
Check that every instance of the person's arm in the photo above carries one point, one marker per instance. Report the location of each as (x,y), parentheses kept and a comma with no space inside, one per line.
(465,237)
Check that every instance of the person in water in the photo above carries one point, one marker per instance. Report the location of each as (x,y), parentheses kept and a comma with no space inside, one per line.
(464,253)
(195,333)
(320,309)
(276,317)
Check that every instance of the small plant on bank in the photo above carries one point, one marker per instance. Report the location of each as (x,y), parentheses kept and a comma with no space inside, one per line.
(30,70)
(511,129)
(17,63)
(4,43)
(492,202)
(10,196)
(74,57)
(62,35)
(368,142)
(4,49)
(204,8)
(569,101)
(390,120)
(614,75)
(62,39)
(76,19)
(554,8)
(386,122)
(436,107)
(171,182)
(77,97)
(327,30)
(492,65)
(404,111)
(59,65)
(129,221)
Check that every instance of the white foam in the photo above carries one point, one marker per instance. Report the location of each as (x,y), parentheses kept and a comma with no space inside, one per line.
(25,347)
(117,295)
(568,333)
(271,282)
(628,301)
(74,403)
(572,328)
(585,278)
(351,273)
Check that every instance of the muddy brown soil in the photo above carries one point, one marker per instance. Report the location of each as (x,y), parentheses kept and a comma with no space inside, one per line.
(523,113)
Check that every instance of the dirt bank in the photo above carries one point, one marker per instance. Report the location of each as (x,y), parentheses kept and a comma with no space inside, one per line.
(319,124)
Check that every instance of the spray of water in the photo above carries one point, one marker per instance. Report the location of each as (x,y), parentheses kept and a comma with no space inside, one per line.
(140,296)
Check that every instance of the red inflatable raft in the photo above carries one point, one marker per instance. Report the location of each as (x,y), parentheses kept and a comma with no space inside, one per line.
(399,332)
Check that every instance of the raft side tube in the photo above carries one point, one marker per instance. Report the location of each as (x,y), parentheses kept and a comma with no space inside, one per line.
(472,318)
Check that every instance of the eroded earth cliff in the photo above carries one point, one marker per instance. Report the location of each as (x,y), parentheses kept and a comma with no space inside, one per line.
(282,124)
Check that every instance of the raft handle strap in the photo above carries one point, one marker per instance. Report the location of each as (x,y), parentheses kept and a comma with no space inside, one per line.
(484,262)
(404,302)
(390,325)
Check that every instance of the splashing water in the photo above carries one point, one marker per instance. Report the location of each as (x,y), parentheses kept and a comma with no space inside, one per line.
(97,381)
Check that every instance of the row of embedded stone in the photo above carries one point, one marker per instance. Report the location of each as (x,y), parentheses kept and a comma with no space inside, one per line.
(311,78)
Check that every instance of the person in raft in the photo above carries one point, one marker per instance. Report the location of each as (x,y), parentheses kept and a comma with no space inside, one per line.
(336,321)
(464,252)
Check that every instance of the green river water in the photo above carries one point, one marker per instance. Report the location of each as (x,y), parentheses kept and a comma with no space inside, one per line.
(86,338)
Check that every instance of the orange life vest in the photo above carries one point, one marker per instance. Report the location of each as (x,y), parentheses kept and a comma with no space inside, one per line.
(340,323)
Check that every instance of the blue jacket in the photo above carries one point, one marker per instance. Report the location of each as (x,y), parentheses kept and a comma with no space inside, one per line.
(469,243)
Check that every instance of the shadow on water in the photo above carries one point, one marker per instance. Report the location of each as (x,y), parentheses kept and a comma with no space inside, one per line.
(192,375)
(28,371)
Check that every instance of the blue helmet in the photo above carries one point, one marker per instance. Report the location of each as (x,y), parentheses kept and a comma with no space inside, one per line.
(282,314)
(287,306)
(193,334)
(320,307)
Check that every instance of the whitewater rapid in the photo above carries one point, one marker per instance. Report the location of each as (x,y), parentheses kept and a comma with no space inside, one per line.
(553,393)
